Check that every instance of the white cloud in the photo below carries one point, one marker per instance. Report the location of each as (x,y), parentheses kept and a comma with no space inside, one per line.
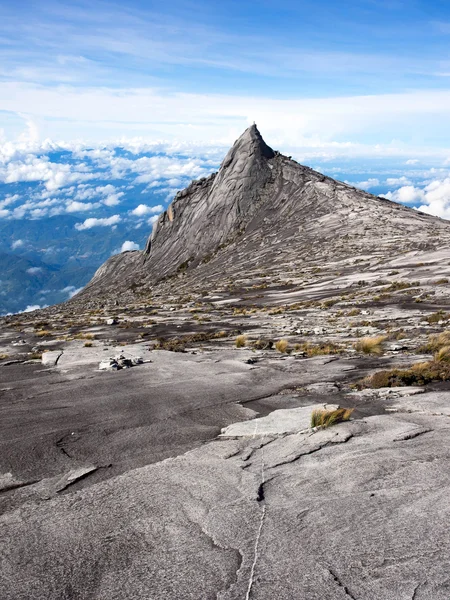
(434,196)
(113,199)
(8,200)
(366,185)
(333,124)
(52,175)
(398,181)
(153,220)
(92,222)
(75,206)
(34,270)
(143,209)
(71,290)
(127,246)
(412,161)
(32,307)
(407,194)
(17,244)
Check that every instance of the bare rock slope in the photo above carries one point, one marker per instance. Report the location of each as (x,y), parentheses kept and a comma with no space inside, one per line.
(264,212)
(267,291)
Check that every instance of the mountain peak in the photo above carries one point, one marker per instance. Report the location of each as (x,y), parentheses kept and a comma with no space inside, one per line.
(263,209)
(249,144)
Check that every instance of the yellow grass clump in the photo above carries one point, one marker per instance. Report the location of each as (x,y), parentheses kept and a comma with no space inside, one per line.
(371,345)
(436,342)
(241,341)
(282,346)
(327,418)
(43,333)
(443,354)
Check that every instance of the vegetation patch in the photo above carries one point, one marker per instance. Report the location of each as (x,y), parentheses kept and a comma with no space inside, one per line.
(263,344)
(419,374)
(84,336)
(319,349)
(282,346)
(179,344)
(371,345)
(44,333)
(437,316)
(327,418)
(436,342)
(241,341)
(401,285)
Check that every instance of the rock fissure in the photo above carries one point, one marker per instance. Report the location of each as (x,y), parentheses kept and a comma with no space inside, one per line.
(297,455)
(340,584)
(260,498)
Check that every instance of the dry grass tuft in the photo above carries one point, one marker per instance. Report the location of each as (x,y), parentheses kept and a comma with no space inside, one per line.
(443,355)
(327,418)
(241,341)
(282,346)
(88,344)
(421,373)
(262,344)
(319,349)
(4,356)
(436,342)
(43,333)
(84,336)
(371,345)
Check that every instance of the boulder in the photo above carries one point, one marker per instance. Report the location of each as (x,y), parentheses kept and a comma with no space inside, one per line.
(108,365)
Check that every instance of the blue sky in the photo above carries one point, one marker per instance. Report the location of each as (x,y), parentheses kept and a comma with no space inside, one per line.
(107,109)
(361,71)
(358,89)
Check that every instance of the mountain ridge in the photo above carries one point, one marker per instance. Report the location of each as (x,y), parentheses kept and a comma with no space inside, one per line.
(263,210)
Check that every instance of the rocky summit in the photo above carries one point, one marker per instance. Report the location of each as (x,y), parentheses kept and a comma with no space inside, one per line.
(256,406)
(265,215)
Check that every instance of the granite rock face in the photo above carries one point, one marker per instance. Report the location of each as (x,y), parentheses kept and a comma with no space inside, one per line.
(264,210)
(118,485)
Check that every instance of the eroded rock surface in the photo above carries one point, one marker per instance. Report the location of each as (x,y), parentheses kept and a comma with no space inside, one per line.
(249,309)
(263,214)
(356,511)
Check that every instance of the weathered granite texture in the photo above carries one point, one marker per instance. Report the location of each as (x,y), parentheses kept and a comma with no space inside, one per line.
(117,485)
(264,211)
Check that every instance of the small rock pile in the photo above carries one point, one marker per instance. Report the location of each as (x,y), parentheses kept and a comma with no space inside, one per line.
(119,362)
